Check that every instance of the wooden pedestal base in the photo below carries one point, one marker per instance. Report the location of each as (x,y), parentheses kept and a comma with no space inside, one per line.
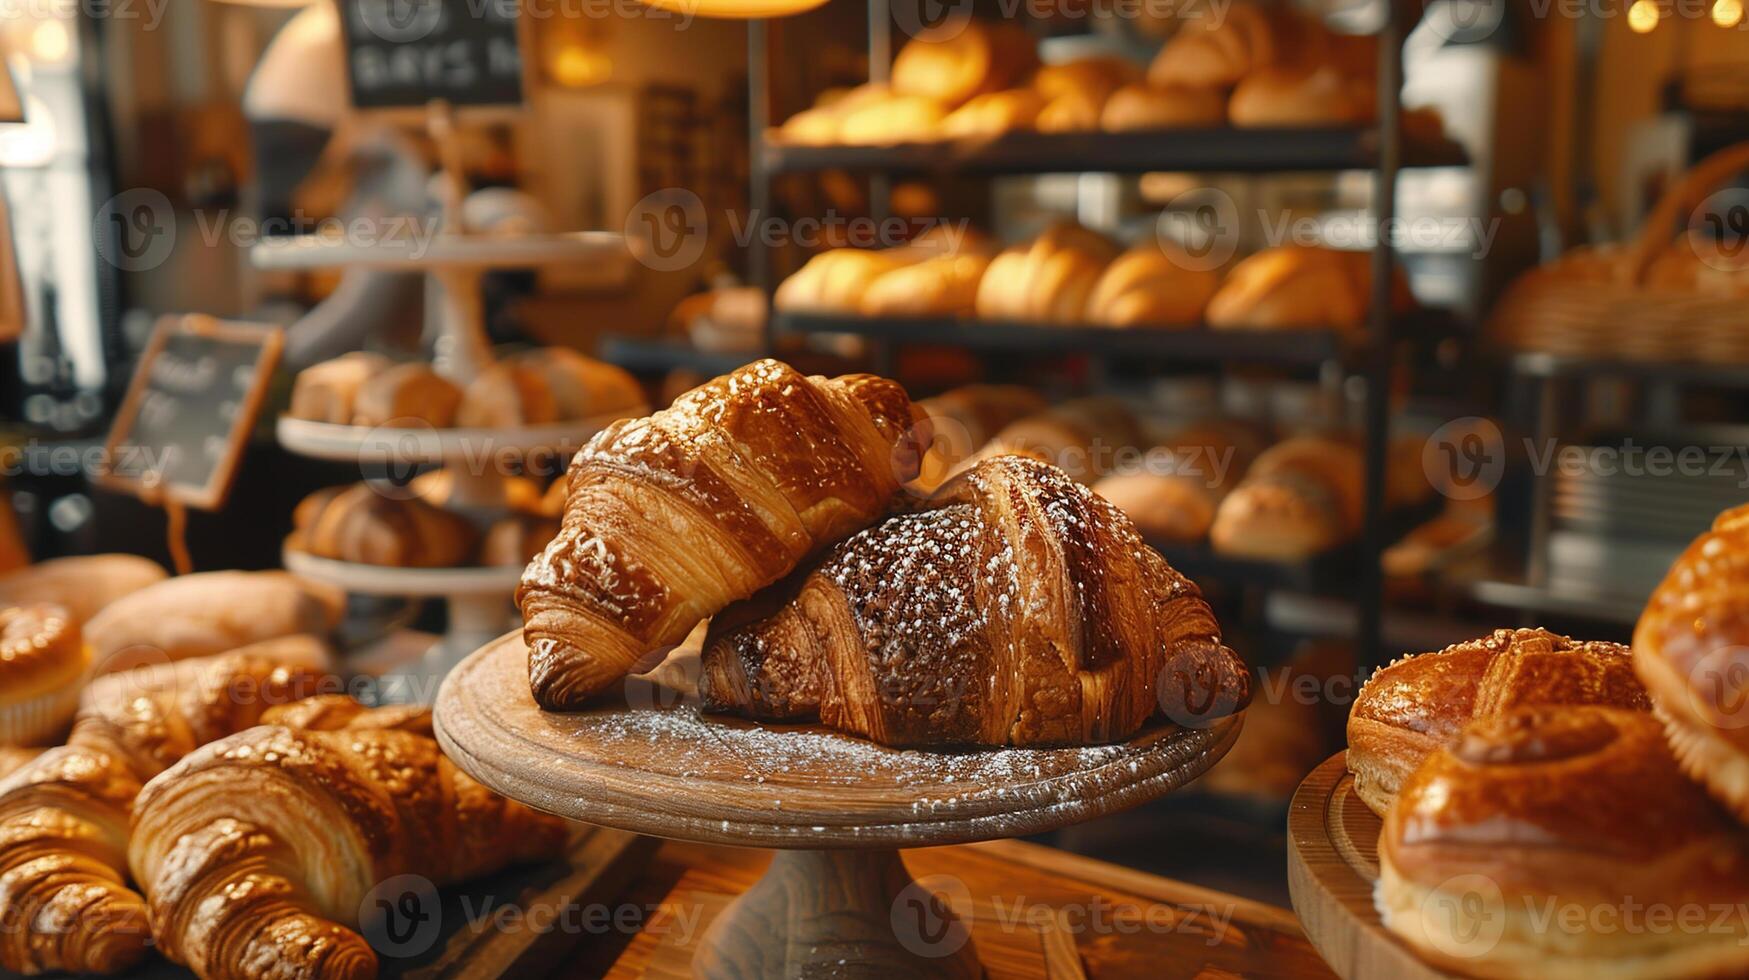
(840,914)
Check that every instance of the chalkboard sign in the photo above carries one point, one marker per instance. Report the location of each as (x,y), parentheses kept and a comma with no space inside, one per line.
(403,54)
(190,409)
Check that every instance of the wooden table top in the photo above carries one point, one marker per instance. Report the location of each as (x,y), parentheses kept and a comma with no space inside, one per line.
(1037,912)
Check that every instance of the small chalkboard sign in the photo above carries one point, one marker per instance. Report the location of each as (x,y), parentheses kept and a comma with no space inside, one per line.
(190,409)
(404,54)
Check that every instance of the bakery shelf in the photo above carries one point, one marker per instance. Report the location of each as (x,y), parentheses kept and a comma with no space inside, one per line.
(1537,364)
(1225,149)
(658,355)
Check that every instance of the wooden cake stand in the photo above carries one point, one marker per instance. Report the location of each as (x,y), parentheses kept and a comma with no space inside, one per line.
(1332,866)
(837,900)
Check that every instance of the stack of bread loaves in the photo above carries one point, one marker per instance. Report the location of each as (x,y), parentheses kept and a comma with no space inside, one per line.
(535,388)
(1526,772)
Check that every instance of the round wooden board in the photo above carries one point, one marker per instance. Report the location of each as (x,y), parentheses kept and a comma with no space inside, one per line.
(651,763)
(1332,865)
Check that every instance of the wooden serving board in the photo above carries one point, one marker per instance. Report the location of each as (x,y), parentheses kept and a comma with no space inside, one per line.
(650,762)
(501,926)
(1332,866)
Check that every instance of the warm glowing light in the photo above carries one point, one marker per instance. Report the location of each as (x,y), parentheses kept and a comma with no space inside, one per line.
(575,66)
(1643,16)
(735,9)
(1728,13)
(50,42)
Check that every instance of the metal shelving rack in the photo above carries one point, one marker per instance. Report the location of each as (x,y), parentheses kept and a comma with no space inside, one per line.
(1366,357)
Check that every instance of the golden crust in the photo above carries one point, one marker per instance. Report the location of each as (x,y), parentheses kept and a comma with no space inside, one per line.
(1419,703)
(40,649)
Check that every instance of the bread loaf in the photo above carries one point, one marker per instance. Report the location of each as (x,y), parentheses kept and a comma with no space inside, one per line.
(207,613)
(407,395)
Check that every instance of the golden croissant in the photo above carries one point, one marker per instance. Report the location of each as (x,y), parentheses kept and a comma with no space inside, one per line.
(259,854)
(64,901)
(1023,609)
(671,517)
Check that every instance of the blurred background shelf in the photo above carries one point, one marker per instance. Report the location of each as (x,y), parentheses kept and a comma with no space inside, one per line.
(1310,149)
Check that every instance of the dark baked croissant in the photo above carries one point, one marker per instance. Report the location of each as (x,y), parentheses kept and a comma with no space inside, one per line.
(670,518)
(258,852)
(64,901)
(1022,610)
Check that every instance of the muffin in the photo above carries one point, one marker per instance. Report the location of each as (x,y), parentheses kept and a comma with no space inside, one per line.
(43,661)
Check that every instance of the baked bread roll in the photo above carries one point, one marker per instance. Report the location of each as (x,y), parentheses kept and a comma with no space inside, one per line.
(671,517)
(549,385)
(984,56)
(1282,96)
(357,524)
(1689,649)
(994,113)
(1083,437)
(836,281)
(1526,817)
(82,584)
(965,418)
(1164,506)
(1215,52)
(65,905)
(328,392)
(517,539)
(521,494)
(1097,76)
(206,613)
(946,285)
(259,853)
(1417,704)
(1301,287)
(407,395)
(895,119)
(1021,610)
(1303,496)
(43,661)
(1153,284)
(1047,280)
(1150,106)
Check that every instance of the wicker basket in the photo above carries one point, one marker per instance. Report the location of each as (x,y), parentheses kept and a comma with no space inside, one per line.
(1653,299)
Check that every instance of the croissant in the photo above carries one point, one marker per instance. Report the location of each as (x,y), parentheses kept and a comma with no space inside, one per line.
(64,901)
(260,852)
(1022,610)
(670,518)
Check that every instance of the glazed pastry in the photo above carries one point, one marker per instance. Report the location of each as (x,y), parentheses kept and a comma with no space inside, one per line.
(83,584)
(1303,496)
(66,904)
(1531,814)
(407,395)
(328,392)
(1021,610)
(258,853)
(207,613)
(1689,649)
(671,517)
(43,661)
(1417,704)
(358,524)
(1141,107)
(1153,284)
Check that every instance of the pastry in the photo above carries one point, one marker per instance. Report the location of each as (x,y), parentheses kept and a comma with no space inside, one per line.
(671,517)
(1149,106)
(1046,280)
(1164,505)
(835,281)
(1689,650)
(515,540)
(896,119)
(65,905)
(1301,497)
(549,385)
(407,395)
(259,853)
(1417,704)
(1213,52)
(1153,284)
(82,584)
(299,652)
(946,285)
(1081,437)
(1300,287)
(1532,816)
(521,494)
(206,613)
(1281,96)
(994,113)
(1097,76)
(358,524)
(965,418)
(43,661)
(983,56)
(14,758)
(1020,610)
(328,392)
